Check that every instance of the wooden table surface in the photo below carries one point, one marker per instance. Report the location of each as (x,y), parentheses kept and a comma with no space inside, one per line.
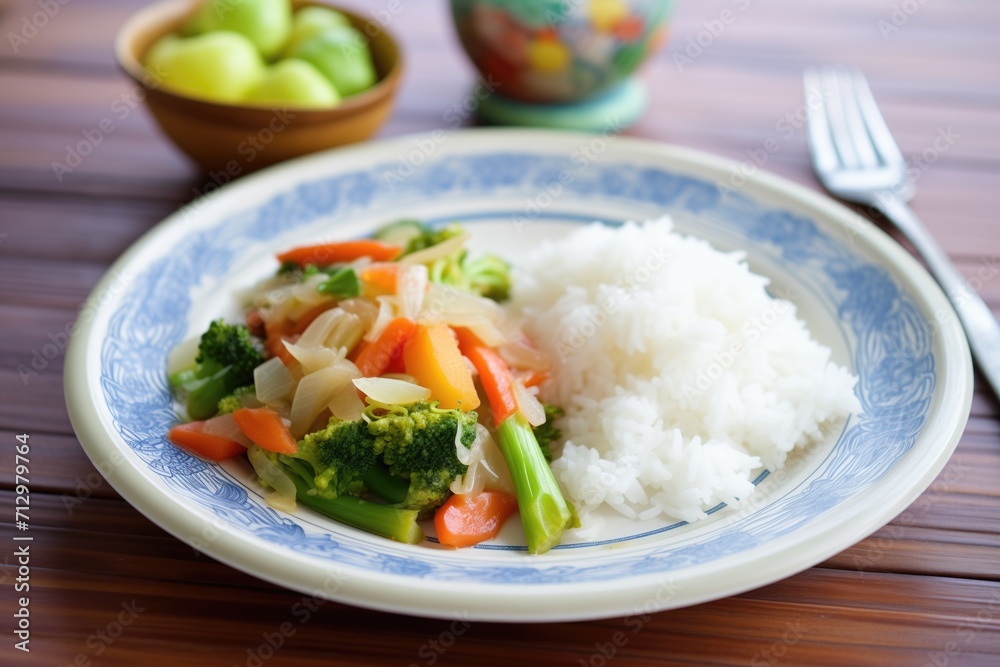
(107,587)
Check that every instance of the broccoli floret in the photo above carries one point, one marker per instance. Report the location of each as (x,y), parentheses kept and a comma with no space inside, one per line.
(404,454)
(417,442)
(230,345)
(393,522)
(487,276)
(547,433)
(432,237)
(341,455)
(414,235)
(234,401)
(226,360)
(333,466)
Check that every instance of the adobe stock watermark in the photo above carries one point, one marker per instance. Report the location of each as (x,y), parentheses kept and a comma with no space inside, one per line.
(767,657)
(58,340)
(916,165)
(597,315)
(776,479)
(120,109)
(900,15)
(581,159)
(434,648)
(875,548)
(211,528)
(966,633)
(31,25)
(301,612)
(252,145)
(102,638)
(988,269)
(712,29)
(249,148)
(427,145)
(606,651)
(750,333)
(784,129)
(85,486)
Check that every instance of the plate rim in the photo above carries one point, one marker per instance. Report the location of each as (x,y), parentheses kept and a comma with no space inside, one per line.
(230,548)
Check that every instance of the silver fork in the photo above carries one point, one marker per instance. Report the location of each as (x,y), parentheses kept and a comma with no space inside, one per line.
(856,159)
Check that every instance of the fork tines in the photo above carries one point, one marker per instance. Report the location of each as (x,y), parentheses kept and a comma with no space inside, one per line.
(846,128)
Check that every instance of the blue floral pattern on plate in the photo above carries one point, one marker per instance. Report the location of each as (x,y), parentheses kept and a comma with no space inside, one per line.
(891,348)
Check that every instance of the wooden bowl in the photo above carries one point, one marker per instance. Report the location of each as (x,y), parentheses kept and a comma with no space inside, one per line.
(236,138)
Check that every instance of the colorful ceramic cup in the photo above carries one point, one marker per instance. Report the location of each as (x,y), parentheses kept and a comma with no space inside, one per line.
(559,51)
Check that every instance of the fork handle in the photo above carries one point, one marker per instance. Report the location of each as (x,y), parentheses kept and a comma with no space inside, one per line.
(981,327)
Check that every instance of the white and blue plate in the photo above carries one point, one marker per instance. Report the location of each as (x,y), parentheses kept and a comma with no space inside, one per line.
(859,292)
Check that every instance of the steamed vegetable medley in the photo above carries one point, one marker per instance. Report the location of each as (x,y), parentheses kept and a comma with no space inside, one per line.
(376,381)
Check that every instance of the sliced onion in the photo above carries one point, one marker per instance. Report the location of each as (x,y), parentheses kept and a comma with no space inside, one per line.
(304,297)
(519,353)
(444,300)
(274,382)
(307,292)
(313,358)
(486,468)
(462,453)
(273,303)
(225,426)
(346,404)
(400,376)
(283,497)
(484,330)
(386,313)
(314,393)
(182,357)
(392,392)
(411,285)
(346,332)
(317,331)
(363,308)
(436,252)
(528,405)
(461,309)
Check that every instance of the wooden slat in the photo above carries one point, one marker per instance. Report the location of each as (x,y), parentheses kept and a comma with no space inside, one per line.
(922,590)
(951,529)
(821,617)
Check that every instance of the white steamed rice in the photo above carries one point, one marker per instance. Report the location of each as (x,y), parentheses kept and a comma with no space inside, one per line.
(680,375)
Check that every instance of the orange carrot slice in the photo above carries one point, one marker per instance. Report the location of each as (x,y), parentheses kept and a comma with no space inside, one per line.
(266,429)
(494,373)
(380,278)
(532,378)
(467,520)
(343,251)
(191,437)
(376,358)
(432,357)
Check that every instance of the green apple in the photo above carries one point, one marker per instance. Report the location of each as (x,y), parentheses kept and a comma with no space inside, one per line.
(266,23)
(341,53)
(312,20)
(219,66)
(293,82)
